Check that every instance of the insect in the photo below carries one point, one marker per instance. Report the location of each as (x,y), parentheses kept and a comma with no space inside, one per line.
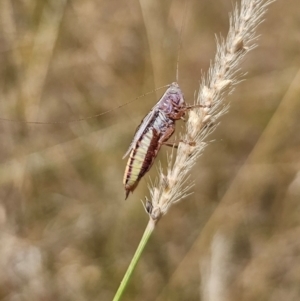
(155,129)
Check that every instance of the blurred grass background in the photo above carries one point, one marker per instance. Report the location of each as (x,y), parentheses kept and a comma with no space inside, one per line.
(66,232)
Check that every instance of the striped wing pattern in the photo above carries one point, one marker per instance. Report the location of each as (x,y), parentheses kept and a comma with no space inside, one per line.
(140,130)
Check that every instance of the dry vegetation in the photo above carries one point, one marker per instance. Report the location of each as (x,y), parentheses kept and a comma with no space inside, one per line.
(66,232)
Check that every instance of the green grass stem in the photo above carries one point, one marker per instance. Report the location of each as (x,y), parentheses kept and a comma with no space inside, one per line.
(147,233)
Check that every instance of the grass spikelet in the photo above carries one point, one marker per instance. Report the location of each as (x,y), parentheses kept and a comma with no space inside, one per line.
(223,75)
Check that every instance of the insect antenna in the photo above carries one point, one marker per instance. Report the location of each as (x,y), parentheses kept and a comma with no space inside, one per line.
(84,118)
(180,39)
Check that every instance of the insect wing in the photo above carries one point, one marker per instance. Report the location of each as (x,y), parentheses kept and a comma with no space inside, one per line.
(145,122)
(140,130)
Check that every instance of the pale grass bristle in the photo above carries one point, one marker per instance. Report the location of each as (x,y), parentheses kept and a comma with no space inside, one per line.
(222,76)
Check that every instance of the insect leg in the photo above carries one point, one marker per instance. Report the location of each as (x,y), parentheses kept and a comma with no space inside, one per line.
(173,145)
(176,145)
(193,107)
(167,134)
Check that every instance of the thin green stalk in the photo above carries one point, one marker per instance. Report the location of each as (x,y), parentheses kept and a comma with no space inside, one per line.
(147,233)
